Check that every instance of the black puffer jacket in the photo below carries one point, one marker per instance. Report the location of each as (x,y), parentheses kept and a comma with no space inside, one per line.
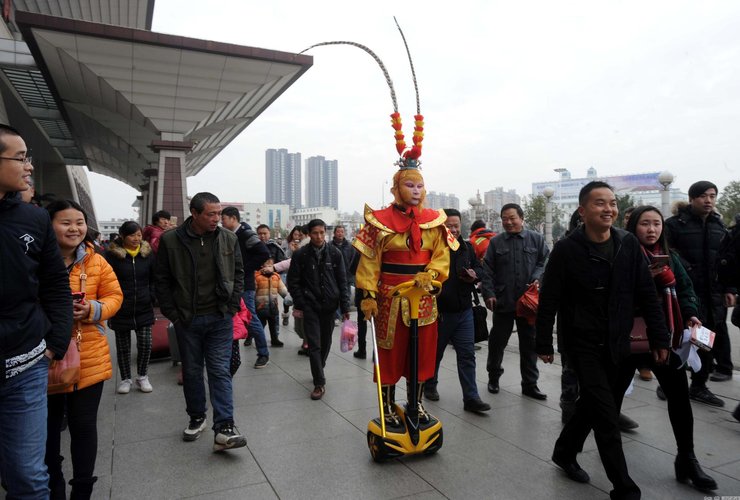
(697,241)
(318,283)
(571,287)
(35,298)
(136,277)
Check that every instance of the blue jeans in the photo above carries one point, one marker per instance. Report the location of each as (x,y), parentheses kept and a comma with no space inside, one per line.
(256,331)
(208,338)
(23,438)
(458,327)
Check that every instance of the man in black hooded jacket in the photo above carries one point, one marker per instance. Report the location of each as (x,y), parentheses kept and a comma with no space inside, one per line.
(35,322)
(696,233)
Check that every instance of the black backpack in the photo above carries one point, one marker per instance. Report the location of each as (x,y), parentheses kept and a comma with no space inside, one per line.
(728,258)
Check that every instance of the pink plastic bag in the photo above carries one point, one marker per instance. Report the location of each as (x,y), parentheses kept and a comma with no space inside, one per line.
(348,338)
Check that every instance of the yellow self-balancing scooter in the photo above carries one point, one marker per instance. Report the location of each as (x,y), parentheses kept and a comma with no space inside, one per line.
(411,436)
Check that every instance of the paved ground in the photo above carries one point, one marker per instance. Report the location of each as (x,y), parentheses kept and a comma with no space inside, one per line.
(301,449)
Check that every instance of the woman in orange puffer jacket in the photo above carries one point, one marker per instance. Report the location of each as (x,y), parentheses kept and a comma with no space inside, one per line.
(103,298)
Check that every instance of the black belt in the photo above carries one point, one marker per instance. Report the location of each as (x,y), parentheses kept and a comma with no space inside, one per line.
(409,269)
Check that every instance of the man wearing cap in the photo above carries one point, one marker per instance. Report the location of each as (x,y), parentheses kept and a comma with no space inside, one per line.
(695,232)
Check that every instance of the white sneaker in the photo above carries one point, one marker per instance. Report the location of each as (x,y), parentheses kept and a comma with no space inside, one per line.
(124,387)
(143,384)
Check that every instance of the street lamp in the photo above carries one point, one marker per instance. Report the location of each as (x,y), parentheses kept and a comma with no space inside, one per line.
(548,192)
(560,172)
(666,179)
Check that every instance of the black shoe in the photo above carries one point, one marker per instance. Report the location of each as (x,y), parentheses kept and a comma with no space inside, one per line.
(276,343)
(720,377)
(360,355)
(194,429)
(247,342)
(262,361)
(285,321)
(659,392)
(704,395)
(302,352)
(227,438)
(736,413)
(493,387)
(571,469)
(431,394)
(534,393)
(626,423)
(476,406)
(687,468)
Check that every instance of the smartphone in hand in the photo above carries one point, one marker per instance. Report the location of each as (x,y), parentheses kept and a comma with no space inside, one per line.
(658,261)
(78,297)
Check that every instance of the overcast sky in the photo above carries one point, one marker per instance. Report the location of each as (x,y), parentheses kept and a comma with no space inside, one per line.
(509,91)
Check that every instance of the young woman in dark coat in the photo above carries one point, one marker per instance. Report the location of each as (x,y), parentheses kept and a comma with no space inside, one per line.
(646,222)
(132,260)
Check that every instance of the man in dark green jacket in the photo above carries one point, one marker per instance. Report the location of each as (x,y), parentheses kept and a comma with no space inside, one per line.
(199,279)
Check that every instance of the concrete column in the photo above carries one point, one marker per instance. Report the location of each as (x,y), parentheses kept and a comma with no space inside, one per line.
(169,191)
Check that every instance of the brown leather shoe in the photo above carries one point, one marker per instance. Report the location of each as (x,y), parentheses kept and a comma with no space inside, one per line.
(645,374)
(318,392)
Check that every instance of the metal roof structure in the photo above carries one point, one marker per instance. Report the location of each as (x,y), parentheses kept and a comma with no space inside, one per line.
(105,94)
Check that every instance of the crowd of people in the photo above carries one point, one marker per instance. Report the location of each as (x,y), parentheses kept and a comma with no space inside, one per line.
(218,280)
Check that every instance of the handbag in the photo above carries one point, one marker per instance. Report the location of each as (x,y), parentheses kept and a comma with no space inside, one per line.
(480,313)
(526,306)
(639,343)
(65,373)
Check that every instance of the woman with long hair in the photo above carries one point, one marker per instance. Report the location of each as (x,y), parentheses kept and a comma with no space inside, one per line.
(97,297)
(680,310)
(132,259)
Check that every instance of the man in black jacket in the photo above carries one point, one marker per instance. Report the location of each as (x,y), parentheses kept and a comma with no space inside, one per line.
(594,279)
(456,318)
(696,233)
(199,279)
(254,254)
(317,281)
(36,324)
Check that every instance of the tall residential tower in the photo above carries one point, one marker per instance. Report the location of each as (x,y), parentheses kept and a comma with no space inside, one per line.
(283,178)
(322,182)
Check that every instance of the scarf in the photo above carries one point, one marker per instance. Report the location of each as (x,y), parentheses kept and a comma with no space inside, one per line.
(665,281)
(409,222)
(133,253)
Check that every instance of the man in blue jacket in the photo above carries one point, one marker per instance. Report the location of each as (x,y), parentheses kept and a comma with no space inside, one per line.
(35,322)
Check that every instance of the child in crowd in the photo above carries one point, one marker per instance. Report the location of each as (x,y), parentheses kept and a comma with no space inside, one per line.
(267,287)
(241,323)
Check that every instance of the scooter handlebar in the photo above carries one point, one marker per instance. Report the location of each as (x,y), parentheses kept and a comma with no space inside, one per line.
(409,289)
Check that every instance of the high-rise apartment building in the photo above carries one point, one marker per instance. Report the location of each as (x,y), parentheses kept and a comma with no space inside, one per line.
(322,187)
(283,178)
(441,200)
(497,198)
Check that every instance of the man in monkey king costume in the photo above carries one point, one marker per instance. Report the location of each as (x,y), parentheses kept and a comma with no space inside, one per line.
(399,243)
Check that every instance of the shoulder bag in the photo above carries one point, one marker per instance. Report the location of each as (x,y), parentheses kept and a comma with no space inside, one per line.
(65,373)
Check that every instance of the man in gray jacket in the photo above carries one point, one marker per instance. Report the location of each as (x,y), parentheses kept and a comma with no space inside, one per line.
(514,260)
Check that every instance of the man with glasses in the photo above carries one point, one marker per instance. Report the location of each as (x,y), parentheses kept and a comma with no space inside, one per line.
(35,324)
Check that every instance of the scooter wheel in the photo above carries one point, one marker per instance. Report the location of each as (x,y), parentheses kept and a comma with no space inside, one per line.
(436,446)
(378,449)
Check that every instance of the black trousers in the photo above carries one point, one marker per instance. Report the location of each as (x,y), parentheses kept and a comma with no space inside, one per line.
(82,417)
(318,328)
(361,324)
(598,408)
(672,378)
(503,324)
